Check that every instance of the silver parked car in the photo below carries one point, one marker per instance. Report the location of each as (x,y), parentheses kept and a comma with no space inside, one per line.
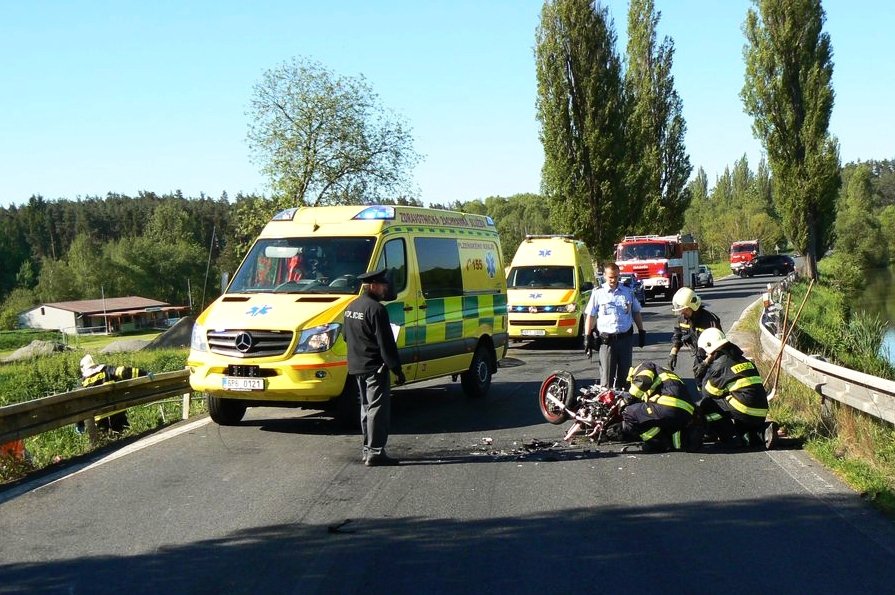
(704,277)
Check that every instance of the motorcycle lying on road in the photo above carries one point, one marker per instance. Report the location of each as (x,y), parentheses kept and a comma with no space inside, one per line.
(593,409)
(596,410)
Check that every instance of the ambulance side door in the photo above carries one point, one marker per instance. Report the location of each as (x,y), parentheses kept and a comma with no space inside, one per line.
(403,311)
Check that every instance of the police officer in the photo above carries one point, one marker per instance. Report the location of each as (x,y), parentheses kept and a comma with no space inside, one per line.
(616,310)
(372,352)
(692,320)
(738,405)
(663,413)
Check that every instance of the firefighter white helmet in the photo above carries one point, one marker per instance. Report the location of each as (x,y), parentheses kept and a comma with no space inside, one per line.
(711,339)
(88,366)
(685,298)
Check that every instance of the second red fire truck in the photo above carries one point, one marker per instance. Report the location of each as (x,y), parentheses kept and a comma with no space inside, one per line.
(663,263)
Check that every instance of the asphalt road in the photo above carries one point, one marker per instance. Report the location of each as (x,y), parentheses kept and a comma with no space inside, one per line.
(482,503)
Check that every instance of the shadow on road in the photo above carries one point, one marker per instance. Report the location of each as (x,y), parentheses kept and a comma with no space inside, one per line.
(522,553)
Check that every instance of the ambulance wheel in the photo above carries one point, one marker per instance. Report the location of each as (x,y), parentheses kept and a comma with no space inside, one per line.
(560,385)
(477,379)
(347,410)
(225,412)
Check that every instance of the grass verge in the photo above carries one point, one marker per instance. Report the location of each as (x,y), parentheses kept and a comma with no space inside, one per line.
(858,448)
(59,372)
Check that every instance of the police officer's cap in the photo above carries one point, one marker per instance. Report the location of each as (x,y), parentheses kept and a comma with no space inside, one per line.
(377,276)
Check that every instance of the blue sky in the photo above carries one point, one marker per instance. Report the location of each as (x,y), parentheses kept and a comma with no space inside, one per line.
(122,96)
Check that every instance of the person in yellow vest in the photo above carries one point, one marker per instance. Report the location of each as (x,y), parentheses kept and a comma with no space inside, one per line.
(660,411)
(736,402)
(94,374)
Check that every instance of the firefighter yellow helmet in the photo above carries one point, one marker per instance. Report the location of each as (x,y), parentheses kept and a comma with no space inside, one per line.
(711,339)
(685,298)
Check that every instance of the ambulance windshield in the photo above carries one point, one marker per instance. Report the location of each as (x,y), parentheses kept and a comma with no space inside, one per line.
(541,277)
(304,265)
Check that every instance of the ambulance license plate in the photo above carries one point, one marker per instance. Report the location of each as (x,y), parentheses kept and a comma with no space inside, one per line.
(231,383)
(533,332)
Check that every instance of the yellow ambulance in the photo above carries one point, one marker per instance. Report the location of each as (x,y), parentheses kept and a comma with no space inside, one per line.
(274,338)
(548,285)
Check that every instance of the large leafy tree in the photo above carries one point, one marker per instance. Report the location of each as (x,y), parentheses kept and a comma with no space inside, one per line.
(858,232)
(581,110)
(659,164)
(789,93)
(323,138)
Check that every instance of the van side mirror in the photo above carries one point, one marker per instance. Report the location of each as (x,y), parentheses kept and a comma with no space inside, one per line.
(587,286)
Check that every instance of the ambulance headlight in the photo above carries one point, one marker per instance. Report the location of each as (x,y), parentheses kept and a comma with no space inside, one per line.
(198,340)
(571,307)
(318,338)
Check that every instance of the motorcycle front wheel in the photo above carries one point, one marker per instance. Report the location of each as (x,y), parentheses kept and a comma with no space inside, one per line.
(560,385)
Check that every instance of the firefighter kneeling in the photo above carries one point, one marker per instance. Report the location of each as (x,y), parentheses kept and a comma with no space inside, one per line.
(660,411)
(736,403)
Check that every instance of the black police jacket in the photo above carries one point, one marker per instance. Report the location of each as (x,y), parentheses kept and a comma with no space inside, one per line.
(368,334)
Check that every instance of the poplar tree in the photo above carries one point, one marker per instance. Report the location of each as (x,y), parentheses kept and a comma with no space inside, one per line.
(788,91)
(658,160)
(580,107)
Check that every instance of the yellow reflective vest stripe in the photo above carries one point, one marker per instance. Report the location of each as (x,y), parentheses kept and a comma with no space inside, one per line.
(650,433)
(743,383)
(669,401)
(743,408)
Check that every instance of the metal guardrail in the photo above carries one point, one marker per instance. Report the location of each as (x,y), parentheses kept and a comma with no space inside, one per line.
(22,420)
(873,395)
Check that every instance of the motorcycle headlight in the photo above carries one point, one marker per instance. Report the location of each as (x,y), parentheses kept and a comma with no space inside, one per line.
(198,340)
(571,307)
(318,338)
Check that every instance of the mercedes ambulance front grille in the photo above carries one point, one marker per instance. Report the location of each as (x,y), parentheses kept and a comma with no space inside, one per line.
(532,322)
(239,343)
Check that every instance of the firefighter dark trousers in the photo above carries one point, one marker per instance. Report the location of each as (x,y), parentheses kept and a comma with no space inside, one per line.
(661,429)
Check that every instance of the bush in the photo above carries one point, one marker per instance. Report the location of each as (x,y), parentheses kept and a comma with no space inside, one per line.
(60,372)
(827,326)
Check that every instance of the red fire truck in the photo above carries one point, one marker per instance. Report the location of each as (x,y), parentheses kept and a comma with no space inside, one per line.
(741,253)
(664,263)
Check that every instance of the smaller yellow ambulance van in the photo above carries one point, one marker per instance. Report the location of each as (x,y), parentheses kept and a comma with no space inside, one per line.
(548,285)
(274,338)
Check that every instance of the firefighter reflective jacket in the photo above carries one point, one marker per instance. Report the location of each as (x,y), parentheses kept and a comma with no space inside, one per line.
(733,377)
(688,331)
(111,374)
(661,387)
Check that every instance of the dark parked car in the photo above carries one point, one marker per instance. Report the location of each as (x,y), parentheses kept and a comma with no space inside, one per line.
(631,280)
(769,264)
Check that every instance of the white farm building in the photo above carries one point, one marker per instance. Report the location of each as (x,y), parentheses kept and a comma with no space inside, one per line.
(101,316)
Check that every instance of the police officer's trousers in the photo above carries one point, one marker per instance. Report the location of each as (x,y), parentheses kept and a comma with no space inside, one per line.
(615,360)
(375,410)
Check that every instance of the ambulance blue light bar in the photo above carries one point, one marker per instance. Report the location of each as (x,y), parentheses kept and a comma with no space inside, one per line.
(377,212)
(285,215)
